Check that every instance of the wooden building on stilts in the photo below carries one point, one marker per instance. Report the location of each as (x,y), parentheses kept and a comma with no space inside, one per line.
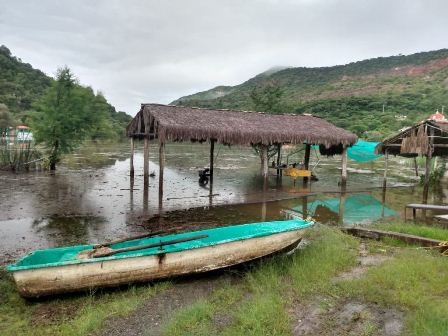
(428,138)
(165,123)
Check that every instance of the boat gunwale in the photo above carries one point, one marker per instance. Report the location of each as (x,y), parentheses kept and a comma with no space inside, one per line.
(150,251)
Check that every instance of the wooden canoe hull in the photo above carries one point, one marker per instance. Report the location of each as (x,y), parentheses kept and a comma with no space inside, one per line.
(78,277)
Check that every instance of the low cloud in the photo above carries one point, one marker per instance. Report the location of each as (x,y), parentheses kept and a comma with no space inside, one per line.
(157,51)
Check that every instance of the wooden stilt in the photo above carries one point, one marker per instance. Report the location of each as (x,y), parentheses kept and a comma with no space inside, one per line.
(306,161)
(131,171)
(279,160)
(341,208)
(161,167)
(386,160)
(415,166)
(428,168)
(305,207)
(146,158)
(264,161)
(344,167)
(212,156)
(145,197)
(426,182)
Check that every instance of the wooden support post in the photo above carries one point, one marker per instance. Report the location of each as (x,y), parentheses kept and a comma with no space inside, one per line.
(428,167)
(305,207)
(386,162)
(131,172)
(279,161)
(212,156)
(415,166)
(146,158)
(341,208)
(306,160)
(264,161)
(427,175)
(344,167)
(161,167)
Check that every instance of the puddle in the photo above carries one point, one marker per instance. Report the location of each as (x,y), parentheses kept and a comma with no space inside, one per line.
(91,198)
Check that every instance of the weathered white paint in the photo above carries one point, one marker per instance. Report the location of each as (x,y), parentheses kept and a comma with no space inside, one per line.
(70,278)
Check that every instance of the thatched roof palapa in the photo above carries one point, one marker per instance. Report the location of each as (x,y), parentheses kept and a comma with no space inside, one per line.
(176,123)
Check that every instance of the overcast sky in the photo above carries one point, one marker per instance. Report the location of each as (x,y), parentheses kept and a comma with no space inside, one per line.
(156,51)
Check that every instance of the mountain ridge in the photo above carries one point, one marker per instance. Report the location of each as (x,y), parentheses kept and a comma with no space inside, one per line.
(21,86)
(408,86)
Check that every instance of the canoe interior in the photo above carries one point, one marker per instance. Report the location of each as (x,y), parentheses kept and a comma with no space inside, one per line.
(68,255)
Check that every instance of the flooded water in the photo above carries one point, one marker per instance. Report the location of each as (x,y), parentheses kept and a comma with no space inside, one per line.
(91,197)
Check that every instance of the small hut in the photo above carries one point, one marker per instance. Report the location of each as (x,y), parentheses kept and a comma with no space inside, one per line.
(428,138)
(177,123)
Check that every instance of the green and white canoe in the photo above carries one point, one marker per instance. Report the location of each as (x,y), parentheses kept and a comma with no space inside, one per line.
(74,268)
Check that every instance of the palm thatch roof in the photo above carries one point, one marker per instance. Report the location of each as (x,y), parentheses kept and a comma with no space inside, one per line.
(177,123)
(428,137)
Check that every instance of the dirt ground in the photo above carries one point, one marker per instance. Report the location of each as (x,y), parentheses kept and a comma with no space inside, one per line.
(319,315)
(151,316)
(327,316)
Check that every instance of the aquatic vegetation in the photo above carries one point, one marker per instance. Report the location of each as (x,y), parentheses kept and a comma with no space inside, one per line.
(17,158)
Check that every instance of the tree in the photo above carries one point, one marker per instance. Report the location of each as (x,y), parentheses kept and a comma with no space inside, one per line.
(5,117)
(267,98)
(64,116)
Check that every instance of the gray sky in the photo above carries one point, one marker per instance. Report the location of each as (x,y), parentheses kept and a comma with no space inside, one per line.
(156,51)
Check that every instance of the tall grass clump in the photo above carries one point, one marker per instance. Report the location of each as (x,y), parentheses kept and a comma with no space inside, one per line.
(18,158)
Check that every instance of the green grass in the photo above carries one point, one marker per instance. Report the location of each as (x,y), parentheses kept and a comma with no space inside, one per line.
(258,304)
(421,230)
(414,280)
(77,315)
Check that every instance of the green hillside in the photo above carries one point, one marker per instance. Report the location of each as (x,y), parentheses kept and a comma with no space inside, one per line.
(352,96)
(21,86)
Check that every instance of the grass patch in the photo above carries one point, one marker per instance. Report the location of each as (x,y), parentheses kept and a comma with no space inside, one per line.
(258,305)
(77,315)
(421,230)
(414,280)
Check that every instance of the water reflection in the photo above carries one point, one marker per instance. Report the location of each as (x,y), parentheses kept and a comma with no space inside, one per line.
(348,210)
(66,230)
(94,188)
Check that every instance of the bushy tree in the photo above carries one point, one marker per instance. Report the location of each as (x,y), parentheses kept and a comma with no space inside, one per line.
(65,115)
(6,119)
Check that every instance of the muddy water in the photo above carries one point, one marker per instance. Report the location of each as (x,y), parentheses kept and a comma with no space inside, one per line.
(91,197)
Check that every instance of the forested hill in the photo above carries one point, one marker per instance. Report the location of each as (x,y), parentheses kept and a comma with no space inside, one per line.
(372,98)
(21,86)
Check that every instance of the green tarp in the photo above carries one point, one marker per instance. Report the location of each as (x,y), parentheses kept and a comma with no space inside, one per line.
(363,151)
(358,209)
(67,255)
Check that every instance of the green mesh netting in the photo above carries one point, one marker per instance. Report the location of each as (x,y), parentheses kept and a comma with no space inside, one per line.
(363,151)
(358,209)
